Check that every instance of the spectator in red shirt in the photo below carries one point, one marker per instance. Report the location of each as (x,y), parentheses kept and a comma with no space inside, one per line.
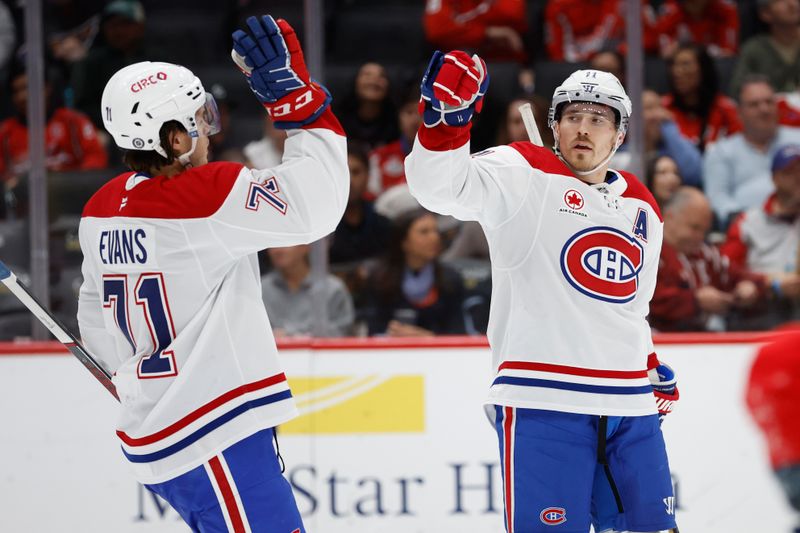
(387,162)
(773,394)
(697,288)
(702,112)
(492,28)
(765,239)
(710,23)
(71,141)
(576,30)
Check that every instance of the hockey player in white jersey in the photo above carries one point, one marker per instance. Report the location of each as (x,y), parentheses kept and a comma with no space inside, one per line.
(574,248)
(171,298)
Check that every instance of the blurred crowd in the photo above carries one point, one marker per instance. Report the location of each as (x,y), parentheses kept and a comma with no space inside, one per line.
(721,115)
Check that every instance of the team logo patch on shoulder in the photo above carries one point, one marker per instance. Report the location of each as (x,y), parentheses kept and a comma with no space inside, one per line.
(553,516)
(573,199)
(603,263)
(268,192)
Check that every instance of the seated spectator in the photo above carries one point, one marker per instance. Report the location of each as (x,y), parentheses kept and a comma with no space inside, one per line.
(702,112)
(576,30)
(663,138)
(410,293)
(736,170)
(122,43)
(696,289)
(387,167)
(266,152)
(663,178)
(362,233)
(775,54)
(713,24)
(71,141)
(288,294)
(765,239)
(494,30)
(367,113)
(773,394)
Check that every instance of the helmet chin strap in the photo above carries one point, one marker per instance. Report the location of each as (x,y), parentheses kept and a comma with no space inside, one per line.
(596,167)
(183,159)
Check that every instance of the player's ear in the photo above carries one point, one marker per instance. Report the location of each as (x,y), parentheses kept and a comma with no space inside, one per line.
(175,140)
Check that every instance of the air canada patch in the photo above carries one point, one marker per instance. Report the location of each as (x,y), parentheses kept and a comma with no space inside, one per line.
(603,263)
(553,516)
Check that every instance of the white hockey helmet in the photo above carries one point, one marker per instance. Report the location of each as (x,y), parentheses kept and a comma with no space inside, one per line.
(594,86)
(140,98)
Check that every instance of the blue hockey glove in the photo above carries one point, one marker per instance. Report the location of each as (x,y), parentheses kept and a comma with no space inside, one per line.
(452,88)
(271,58)
(665,387)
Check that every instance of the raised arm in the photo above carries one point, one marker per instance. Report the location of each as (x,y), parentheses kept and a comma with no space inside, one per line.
(488,187)
(302,199)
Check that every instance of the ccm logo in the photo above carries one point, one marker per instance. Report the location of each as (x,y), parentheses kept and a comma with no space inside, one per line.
(148,81)
(553,516)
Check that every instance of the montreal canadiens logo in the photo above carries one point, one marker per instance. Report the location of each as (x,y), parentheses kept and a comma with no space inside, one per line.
(553,516)
(603,263)
(573,199)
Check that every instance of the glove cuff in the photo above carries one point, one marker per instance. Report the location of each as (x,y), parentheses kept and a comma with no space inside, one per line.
(300,107)
(442,138)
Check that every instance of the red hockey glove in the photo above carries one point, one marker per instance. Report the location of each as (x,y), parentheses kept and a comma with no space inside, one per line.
(272,60)
(665,387)
(452,88)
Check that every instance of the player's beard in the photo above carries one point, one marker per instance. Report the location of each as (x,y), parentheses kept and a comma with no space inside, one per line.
(583,161)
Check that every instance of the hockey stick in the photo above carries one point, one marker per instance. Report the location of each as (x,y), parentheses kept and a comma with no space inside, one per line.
(530,124)
(56,328)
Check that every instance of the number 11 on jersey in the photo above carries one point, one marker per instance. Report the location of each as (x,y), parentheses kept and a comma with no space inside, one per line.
(150,295)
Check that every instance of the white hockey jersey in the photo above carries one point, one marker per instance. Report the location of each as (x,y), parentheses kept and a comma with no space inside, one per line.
(573,270)
(171,299)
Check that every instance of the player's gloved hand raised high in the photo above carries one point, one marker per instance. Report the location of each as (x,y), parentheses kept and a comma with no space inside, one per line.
(665,387)
(452,88)
(272,60)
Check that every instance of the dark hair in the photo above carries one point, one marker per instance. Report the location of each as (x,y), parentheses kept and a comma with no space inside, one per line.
(752,79)
(148,161)
(709,81)
(389,273)
(650,169)
(359,151)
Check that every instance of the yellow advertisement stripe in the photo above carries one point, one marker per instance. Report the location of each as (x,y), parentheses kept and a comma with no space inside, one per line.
(385,405)
(340,389)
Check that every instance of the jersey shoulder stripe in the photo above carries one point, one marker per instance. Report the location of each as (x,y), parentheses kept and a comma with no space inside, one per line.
(637,189)
(195,193)
(542,158)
